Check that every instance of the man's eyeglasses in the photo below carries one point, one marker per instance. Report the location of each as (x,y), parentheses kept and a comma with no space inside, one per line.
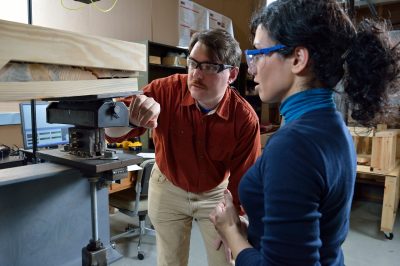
(252,56)
(206,67)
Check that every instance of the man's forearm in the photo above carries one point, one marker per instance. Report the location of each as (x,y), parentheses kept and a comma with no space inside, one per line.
(116,132)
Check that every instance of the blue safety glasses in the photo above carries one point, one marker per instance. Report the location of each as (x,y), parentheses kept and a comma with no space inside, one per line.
(252,56)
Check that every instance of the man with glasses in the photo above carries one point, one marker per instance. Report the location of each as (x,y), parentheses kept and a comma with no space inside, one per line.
(206,136)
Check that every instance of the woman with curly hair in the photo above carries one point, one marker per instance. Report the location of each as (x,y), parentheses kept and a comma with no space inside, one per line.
(298,194)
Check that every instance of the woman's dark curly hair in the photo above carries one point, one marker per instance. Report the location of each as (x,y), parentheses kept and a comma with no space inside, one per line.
(363,57)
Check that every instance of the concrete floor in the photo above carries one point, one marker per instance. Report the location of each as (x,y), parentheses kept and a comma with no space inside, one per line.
(365,244)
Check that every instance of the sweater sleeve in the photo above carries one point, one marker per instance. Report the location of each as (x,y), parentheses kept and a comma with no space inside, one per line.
(249,256)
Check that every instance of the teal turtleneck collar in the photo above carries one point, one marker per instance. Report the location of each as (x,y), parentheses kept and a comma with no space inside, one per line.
(305,101)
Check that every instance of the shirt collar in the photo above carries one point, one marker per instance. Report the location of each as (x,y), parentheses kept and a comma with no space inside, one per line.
(223,106)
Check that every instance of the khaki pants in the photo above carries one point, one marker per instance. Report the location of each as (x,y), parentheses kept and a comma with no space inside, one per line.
(172,210)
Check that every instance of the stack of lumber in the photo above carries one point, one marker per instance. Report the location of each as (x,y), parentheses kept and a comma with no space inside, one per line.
(40,63)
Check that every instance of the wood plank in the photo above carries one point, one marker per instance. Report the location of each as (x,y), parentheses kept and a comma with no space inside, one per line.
(391,163)
(389,203)
(42,72)
(376,154)
(361,131)
(381,127)
(27,43)
(398,147)
(8,107)
(387,133)
(366,169)
(384,152)
(356,140)
(23,91)
(15,71)
(109,73)
(3,62)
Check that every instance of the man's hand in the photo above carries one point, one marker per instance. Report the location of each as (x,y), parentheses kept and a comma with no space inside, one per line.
(144,111)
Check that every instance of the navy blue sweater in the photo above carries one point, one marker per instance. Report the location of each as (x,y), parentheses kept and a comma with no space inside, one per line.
(298,194)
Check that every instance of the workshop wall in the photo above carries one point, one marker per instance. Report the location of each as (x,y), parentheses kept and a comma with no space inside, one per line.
(388,11)
(137,20)
(129,20)
(240,11)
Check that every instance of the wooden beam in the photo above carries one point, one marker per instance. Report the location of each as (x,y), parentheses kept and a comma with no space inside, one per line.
(107,73)
(9,107)
(23,91)
(14,71)
(42,72)
(27,43)
(361,131)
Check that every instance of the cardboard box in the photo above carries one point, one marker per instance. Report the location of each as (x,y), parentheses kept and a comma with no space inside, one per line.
(11,135)
(182,61)
(174,61)
(154,60)
(219,21)
(175,21)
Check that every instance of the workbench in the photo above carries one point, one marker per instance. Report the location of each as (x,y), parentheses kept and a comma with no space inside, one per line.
(391,193)
(45,215)
(49,212)
(378,158)
(12,161)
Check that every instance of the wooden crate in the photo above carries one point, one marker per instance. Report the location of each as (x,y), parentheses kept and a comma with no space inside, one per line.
(376,147)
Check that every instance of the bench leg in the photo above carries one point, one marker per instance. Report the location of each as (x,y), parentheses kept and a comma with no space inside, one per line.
(390,203)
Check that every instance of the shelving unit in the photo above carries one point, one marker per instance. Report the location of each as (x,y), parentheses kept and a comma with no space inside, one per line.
(267,113)
(156,71)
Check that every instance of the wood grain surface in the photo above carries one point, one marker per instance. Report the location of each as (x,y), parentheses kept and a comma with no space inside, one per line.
(27,43)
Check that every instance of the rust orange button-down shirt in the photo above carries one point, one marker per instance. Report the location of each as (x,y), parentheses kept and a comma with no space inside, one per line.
(195,151)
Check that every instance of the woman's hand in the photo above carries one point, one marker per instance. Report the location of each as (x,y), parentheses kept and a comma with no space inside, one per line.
(229,226)
(225,217)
